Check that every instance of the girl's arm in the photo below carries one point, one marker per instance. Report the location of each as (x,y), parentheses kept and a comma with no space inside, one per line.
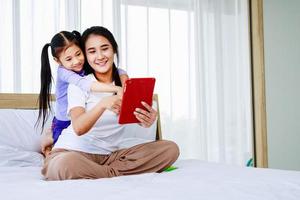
(123,76)
(83,83)
(82,120)
(103,87)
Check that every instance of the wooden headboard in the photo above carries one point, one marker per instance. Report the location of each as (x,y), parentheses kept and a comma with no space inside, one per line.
(30,101)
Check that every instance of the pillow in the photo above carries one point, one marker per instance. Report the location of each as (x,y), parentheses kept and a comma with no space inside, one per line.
(18,131)
(10,156)
(19,139)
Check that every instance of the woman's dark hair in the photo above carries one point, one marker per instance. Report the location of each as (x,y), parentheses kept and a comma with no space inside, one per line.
(58,44)
(102,31)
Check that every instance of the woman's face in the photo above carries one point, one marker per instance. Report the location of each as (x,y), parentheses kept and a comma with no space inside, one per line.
(99,54)
(71,58)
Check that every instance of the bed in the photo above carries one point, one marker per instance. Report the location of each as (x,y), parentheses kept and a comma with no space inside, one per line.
(20,165)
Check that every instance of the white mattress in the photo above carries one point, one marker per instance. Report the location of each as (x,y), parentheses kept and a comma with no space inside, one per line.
(192,180)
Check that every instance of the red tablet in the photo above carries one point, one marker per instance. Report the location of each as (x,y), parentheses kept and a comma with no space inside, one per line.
(135,91)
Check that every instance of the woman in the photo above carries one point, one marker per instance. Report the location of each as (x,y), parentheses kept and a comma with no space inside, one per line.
(89,147)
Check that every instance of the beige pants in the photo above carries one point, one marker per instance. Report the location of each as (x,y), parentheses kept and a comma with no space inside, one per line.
(155,156)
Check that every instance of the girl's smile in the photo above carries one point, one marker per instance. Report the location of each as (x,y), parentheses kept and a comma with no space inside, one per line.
(72,58)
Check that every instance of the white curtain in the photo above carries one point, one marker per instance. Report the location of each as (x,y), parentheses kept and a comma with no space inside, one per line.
(198,51)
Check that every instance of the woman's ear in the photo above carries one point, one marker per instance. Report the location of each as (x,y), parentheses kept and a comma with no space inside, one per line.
(57,60)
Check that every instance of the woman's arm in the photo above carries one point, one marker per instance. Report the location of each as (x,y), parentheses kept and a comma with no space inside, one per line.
(83,120)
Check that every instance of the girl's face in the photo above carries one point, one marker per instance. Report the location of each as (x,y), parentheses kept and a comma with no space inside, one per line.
(72,58)
(99,54)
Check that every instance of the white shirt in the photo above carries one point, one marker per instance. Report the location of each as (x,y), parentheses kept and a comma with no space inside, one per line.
(104,137)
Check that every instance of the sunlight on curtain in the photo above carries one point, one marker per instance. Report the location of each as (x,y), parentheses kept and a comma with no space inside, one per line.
(96,13)
(6,47)
(32,36)
(35,22)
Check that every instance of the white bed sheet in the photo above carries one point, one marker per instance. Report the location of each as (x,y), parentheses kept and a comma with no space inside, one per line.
(193,179)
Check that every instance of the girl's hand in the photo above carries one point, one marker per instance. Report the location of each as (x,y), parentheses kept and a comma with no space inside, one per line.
(112,103)
(47,142)
(146,117)
(119,91)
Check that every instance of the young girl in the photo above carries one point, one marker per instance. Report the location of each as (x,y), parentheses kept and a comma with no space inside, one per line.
(66,51)
(90,147)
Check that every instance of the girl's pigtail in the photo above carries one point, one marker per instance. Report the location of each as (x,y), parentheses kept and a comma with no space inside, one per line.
(77,37)
(45,91)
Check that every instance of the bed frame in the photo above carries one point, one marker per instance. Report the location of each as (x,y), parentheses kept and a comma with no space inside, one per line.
(30,101)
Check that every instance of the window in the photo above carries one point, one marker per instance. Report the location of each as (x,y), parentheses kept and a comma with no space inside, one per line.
(197,50)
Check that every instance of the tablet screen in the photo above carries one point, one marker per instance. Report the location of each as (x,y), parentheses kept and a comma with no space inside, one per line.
(135,91)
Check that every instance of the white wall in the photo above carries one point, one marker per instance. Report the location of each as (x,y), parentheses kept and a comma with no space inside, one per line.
(282,65)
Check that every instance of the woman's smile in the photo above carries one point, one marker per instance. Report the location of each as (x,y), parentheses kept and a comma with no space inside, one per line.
(99,53)
(101,63)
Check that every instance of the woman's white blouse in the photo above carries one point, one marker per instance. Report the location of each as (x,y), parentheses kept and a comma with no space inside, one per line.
(104,137)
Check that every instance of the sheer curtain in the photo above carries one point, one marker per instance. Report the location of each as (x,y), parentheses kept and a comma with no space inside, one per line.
(198,50)
(26,27)
(199,53)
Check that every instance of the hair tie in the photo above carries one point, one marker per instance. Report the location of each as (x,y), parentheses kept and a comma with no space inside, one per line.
(76,34)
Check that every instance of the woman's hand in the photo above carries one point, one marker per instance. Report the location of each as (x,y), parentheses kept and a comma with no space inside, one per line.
(119,91)
(146,117)
(83,120)
(112,103)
